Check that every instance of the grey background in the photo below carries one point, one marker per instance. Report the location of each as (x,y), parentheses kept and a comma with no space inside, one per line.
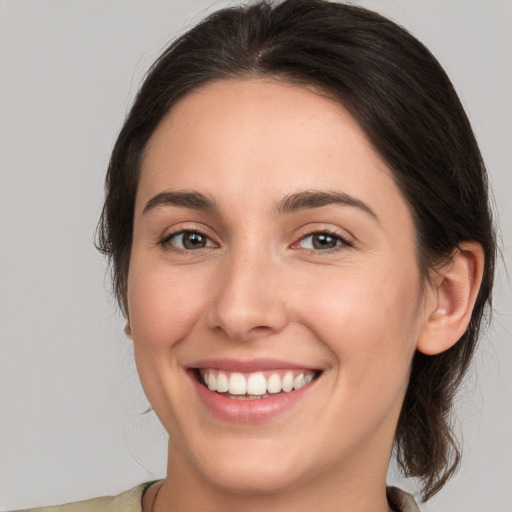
(70,402)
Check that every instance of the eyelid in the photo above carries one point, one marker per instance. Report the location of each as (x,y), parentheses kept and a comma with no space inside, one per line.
(169,234)
(345,240)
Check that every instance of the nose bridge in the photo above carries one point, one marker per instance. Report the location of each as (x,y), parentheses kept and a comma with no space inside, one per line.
(248,303)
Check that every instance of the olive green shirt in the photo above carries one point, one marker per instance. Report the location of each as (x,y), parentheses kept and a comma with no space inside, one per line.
(128,501)
(131,501)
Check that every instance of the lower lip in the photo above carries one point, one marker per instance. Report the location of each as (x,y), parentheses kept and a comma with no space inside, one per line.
(249,411)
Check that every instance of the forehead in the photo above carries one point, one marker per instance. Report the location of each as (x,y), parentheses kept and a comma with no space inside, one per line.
(229,114)
(257,139)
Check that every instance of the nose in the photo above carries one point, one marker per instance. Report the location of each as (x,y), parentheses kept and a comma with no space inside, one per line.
(249,301)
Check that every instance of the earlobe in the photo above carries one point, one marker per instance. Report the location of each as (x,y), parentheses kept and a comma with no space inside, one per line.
(453,293)
(128,330)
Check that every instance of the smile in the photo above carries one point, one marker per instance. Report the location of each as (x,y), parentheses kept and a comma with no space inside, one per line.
(251,392)
(255,385)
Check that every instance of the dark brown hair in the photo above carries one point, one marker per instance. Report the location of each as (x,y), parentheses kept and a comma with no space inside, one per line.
(405,103)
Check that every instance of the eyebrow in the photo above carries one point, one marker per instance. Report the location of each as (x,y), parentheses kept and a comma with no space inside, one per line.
(292,203)
(319,198)
(186,199)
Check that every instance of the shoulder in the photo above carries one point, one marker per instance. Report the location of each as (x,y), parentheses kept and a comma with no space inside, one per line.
(401,501)
(128,501)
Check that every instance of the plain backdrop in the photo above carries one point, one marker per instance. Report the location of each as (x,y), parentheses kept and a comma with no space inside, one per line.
(71,422)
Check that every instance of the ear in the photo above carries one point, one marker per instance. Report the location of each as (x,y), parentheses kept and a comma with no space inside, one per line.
(128,329)
(451,298)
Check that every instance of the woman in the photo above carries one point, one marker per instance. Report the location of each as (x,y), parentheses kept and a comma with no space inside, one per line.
(298,224)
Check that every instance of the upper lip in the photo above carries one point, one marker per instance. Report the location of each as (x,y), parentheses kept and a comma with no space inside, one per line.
(247,366)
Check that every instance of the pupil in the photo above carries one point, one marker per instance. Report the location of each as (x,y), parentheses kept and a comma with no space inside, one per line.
(323,241)
(193,241)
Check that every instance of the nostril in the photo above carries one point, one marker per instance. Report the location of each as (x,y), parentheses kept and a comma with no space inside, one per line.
(261,329)
(246,309)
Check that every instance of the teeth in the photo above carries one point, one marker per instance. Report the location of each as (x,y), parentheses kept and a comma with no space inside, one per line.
(222,383)
(299,381)
(287,384)
(212,382)
(237,384)
(274,383)
(254,385)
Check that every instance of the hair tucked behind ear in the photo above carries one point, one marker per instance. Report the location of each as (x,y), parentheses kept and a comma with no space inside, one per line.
(407,106)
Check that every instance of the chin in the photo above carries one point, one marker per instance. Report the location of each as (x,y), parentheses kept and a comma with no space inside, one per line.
(253,479)
(251,468)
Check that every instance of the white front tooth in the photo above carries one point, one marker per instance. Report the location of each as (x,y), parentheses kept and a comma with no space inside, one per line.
(237,384)
(256,384)
(205,378)
(299,381)
(222,383)
(274,383)
(308,378)
(287,384)
(212,382)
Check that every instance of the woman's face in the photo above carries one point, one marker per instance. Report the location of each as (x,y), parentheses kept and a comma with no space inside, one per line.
(271,241)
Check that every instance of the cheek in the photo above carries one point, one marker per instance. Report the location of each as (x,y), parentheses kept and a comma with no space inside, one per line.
(367,319)
(163,307)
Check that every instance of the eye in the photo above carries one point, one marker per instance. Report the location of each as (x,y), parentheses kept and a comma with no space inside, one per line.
(188,240)
(322,241)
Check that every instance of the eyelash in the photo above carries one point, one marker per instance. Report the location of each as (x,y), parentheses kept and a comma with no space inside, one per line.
(341,241)
(166,240)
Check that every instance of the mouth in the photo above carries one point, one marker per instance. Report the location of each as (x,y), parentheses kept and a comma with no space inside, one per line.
(255,385)
(254,391)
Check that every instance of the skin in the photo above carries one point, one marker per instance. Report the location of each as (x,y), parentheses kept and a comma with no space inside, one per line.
(259,290)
